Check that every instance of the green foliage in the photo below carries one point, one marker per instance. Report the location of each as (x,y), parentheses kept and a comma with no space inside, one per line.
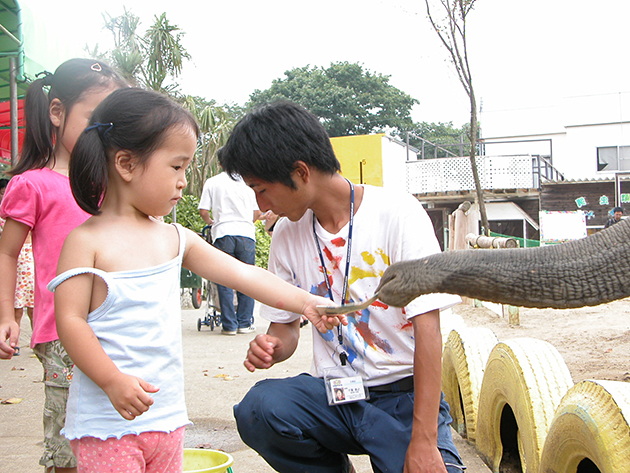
(263,240)
(187,214)
(166,54)
(215,124)
(148,59)
(347,99)
(444,135)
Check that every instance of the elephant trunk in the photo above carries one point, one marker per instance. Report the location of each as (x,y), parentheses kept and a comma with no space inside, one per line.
(585,272)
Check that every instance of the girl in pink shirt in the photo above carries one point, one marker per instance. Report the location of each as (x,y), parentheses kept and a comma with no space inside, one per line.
(38,200)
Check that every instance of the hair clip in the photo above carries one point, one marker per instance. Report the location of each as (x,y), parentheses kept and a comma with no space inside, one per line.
(100,127)
(96,67)
(47,79)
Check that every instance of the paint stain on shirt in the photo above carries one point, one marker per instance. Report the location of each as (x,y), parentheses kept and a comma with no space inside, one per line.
(368,257)
(372,339)
(360,273)
(335,260)
(338,242)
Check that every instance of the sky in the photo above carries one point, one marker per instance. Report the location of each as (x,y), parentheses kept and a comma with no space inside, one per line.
(523,54)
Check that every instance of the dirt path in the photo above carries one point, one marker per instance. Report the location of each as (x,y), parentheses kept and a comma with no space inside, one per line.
(594,341)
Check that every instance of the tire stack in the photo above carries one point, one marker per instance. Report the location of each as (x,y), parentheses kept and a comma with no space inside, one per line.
(517,399)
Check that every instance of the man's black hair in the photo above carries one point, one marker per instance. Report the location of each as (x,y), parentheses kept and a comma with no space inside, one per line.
(267,142)
(617,209)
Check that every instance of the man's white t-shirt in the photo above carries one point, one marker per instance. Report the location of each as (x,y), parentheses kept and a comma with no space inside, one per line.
(388,227)
(232,203)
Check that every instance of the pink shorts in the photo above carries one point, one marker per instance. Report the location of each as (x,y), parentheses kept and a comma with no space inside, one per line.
(158,452)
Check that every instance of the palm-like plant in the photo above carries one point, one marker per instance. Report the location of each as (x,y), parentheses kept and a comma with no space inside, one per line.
(215,124)
(165,54)
(147,60)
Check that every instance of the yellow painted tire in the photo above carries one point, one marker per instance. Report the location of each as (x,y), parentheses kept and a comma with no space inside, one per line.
(463,363)
(530,377)
(449,321)
(591,423)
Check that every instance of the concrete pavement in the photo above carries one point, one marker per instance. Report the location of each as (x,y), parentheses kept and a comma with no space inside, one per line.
(215,381)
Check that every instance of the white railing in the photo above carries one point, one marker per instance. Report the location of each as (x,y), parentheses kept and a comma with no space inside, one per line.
(455,174)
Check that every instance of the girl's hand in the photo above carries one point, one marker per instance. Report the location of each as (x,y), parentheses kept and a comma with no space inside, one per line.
(9,336)
(128,395)
(323,323)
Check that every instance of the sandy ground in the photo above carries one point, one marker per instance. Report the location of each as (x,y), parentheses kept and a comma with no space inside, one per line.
(215,381)
(593,341)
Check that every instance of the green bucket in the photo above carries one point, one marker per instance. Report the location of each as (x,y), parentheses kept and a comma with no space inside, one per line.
(199,460)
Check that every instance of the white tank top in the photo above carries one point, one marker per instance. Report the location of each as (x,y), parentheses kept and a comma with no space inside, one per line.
(139,327)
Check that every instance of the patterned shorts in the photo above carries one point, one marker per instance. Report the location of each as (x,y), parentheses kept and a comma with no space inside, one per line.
(148,452)
(57,376)
(25,286)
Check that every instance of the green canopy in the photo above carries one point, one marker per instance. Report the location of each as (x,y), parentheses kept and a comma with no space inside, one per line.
(23,36)
(24,40)
(11,46)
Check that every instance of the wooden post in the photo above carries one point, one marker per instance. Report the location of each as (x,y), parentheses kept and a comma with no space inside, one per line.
(512,314)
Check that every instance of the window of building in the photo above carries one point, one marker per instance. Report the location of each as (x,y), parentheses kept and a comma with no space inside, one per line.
(613,158)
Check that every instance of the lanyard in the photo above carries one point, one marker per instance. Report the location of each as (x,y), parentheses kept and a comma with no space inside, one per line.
(342,356)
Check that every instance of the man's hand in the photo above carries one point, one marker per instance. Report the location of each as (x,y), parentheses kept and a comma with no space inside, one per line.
(323,323)
(261,352)
(422,458)
(9,336)
(128,395)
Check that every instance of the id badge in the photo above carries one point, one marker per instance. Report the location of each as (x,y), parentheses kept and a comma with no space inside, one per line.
(344,385)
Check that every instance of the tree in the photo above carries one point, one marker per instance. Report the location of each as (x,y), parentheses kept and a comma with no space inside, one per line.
(127,55)
(215,123)
(451,30)
(445,135)
(146,60)
(166,54)
(348,99)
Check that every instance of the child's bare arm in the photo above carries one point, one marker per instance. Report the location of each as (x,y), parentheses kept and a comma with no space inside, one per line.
(11,243)
(210,263)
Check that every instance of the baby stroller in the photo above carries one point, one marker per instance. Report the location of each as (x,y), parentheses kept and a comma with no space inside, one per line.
(212,316)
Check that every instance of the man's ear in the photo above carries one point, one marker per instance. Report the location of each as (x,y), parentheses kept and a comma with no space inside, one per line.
(56,112)
(302,171)
(125,164)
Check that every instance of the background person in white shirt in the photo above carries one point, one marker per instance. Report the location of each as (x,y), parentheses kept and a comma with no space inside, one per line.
(234,211)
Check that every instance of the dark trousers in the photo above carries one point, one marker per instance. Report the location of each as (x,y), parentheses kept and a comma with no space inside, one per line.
(243,249)
(289,422)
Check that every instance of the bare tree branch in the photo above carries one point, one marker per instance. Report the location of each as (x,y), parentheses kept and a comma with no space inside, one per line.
(453,37)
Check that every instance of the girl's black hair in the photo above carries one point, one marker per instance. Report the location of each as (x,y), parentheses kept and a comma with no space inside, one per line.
(130,119)
(267,142)
(69,83)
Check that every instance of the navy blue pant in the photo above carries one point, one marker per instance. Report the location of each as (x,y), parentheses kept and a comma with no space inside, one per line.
(290,424)
(243,249)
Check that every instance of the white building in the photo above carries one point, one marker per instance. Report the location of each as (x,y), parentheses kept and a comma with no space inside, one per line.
(586,137)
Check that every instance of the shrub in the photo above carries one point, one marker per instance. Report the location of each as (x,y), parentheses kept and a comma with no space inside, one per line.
(263,240)
(187,214)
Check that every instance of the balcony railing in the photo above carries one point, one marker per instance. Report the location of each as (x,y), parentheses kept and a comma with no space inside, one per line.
(495,172)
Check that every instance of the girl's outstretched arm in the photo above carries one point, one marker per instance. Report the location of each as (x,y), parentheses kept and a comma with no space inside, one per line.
(73,300)
(13,238)
(264,286)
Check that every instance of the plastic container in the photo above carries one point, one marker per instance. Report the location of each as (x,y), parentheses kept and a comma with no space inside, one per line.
(199,460)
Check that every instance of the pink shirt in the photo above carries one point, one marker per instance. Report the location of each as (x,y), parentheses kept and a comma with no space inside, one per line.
(42,199)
